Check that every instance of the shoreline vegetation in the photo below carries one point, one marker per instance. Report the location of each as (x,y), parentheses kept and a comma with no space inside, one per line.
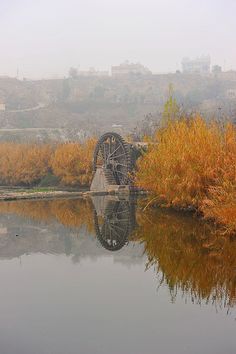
(45,165)
(191,164)
(186,254)
(38,193)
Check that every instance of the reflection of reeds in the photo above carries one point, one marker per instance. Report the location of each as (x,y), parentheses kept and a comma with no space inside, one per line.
(37,210)
(190,257)
(72,213)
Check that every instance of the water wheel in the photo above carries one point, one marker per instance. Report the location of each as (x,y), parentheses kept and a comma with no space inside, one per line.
(113,154)
(114,227)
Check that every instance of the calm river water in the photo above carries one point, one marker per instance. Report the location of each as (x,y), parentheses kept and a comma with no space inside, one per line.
(102,277)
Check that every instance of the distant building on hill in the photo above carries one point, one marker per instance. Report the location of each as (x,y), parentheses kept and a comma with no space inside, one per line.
(231,93)
(196,66)
(127,68)
(92,72)
(228,75)
(216,69)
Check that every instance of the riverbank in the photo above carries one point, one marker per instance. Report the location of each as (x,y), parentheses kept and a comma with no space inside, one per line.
(18,194)
(191,165)
(8,194)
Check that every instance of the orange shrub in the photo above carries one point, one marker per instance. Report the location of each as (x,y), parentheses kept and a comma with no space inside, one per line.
(220,204)
(72,162)
(23,163)
(193,164)
(27,164)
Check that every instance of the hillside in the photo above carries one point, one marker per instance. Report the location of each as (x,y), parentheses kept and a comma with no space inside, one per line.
(74,108)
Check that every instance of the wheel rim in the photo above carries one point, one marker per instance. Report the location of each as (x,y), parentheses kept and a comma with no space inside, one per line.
(113,153)
(114,228)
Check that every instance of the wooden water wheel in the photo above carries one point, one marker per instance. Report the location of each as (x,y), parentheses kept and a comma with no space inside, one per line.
(114,227)
(113,154)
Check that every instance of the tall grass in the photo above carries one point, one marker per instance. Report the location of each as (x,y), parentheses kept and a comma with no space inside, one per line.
(28,164)
(192,163)
(24,164)
(72,162)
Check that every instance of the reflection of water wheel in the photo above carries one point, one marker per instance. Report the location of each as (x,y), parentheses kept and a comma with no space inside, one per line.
(114,228)
(113,154)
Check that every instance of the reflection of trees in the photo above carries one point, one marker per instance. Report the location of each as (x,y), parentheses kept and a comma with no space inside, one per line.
(40,229)
(189,257)
(73,213)
(69,212)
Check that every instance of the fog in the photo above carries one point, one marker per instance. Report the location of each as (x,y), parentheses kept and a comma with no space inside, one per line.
(44,38)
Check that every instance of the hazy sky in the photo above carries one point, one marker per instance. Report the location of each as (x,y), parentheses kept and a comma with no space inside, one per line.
(45,37)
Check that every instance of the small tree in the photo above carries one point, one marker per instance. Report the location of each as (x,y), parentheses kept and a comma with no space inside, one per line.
(171,108)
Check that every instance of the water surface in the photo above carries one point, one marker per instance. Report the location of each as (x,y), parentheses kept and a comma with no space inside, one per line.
(101,276)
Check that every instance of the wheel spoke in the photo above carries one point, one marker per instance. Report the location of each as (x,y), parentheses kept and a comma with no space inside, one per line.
(121,164)
(116,157)
(114,230)
(122,212)
(115,227)
(124,174)
(114,151)
(104,148)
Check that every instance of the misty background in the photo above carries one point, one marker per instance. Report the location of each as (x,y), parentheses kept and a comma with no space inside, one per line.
(44,38)
(70,69)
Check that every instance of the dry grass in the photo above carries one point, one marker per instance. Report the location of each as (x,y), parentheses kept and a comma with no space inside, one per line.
(28,164)
(24,163)
(193,164)
(72,162)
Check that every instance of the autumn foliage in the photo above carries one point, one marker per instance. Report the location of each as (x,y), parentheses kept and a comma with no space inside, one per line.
(72,162)
(23,163)
(28,164)
(188,256)
(193,164)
